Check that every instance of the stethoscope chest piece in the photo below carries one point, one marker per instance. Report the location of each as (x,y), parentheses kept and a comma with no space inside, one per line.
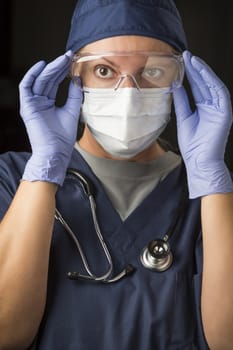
(157,256)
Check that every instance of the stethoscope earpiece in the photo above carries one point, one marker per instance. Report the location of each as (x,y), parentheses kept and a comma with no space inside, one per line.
(157,256)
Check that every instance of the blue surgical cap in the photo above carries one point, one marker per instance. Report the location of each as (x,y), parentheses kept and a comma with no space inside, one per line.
(98,19)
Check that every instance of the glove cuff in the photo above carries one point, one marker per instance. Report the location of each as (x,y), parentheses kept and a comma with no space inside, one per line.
(52,169)
(211,179)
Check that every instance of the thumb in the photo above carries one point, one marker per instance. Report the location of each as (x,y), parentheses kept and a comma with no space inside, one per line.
(74,99)
(181,104)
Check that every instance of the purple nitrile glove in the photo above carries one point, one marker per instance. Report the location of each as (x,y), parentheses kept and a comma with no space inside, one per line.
(203,133)
(51,130)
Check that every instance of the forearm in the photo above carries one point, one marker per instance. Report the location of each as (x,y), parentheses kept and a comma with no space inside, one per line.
(217,289)
(25,236)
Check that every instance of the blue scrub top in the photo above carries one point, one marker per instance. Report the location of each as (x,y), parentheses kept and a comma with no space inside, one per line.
(147,310)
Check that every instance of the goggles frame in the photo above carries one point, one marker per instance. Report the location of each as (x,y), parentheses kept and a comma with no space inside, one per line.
(83,57)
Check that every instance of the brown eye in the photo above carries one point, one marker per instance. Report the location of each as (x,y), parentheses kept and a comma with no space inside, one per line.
(104,72)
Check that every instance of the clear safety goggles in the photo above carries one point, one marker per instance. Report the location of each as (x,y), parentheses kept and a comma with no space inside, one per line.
(140,69)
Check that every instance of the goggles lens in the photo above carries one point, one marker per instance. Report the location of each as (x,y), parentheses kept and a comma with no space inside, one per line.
(145,69)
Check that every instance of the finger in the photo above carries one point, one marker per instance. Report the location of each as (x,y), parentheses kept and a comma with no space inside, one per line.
(181,104)
(25,86)
(217,89)
(51,89)
(224,100)
(199,89)
(74,100)
(50,73)
(206,72)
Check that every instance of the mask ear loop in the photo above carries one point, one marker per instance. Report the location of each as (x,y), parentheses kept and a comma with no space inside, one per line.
(122,77)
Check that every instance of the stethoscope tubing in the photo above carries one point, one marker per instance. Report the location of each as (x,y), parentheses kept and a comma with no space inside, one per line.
(157,256)
(91,276)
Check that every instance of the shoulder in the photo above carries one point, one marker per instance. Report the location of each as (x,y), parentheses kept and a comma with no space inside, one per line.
(12,165)
(14,160)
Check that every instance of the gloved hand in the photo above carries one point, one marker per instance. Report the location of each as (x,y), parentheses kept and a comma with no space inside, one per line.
(203,133)
(51,130)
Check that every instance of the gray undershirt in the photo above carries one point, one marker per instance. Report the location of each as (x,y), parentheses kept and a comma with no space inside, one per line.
(128,183)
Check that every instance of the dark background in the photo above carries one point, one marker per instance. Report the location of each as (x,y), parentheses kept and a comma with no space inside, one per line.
(35,30)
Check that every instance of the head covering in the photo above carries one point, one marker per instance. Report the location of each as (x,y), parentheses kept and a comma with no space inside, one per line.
(98,19)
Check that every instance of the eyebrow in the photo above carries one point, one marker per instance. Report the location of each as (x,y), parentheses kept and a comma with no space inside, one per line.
(110,62)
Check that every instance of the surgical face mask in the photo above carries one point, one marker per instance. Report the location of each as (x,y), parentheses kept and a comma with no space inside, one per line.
(126,121)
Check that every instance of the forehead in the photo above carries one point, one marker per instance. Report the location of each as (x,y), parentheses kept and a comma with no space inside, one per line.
(128,43)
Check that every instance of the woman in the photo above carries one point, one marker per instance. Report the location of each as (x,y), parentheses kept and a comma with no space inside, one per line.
(128,63)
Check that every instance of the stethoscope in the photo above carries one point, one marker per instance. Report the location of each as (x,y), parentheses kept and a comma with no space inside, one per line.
(156,256)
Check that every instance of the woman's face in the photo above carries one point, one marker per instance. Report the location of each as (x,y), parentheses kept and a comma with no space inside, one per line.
(122,44)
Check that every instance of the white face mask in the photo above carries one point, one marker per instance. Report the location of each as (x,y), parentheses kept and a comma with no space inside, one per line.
(127,121)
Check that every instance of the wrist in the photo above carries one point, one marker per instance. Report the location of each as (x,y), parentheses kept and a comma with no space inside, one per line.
(48,187)
(208,178)
(50,169)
